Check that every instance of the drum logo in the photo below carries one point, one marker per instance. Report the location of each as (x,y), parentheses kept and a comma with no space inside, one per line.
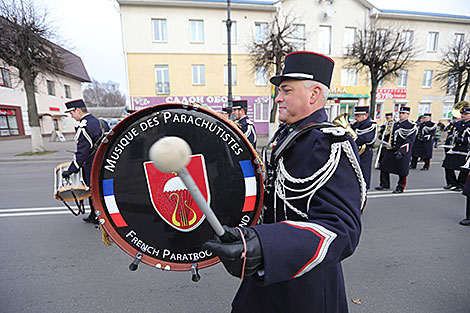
(172,200)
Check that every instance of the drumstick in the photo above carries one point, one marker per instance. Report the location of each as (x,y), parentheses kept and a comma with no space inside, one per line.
(171,154)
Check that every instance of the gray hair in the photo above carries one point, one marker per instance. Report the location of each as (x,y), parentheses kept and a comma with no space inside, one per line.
(324,89)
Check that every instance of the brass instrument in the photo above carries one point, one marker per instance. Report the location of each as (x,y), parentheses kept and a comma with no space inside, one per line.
(342,121)
(389,130)
(458,108)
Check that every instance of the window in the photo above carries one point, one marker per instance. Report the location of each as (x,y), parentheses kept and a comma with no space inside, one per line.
(407,37)
(68,92)
(50,88)
(159,30)
(403,78)
(234,74)
(348,39)
(349,77)
(8,123)
(451,85)
(424,108)
(378,110)
(198,75)
(298,35)
(458,39)
(427,79)
(233,33)
(261,76)
(324,39)
(261,32)
(381,34)
(433,38)
(162,79)
(196,31)
(447,110)
(5,79)
(261,109)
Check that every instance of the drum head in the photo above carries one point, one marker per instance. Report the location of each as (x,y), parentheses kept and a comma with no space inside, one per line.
(149,212)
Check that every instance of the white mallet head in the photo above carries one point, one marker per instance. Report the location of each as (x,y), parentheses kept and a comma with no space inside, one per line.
(170,154)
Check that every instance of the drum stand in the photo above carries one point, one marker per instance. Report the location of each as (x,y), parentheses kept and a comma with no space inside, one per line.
(80,204)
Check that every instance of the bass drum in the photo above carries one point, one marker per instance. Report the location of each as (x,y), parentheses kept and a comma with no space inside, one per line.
(150,214)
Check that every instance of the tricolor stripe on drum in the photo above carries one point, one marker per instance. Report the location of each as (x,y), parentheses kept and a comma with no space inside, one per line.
(250,186)
(111,205)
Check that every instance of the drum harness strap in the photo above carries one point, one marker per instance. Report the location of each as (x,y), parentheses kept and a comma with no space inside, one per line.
(320,177)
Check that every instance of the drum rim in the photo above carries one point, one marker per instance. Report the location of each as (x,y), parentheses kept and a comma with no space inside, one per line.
(95,192)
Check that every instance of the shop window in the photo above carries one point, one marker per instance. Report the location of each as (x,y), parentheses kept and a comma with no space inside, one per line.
(8,123)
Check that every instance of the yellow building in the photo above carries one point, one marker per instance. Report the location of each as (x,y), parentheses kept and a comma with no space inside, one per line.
(176,51)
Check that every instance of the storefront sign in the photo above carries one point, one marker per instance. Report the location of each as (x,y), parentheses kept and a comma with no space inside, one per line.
(355,92)
(6,112)
(391,93)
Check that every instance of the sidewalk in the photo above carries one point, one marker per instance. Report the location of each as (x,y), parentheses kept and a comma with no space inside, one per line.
(10,148)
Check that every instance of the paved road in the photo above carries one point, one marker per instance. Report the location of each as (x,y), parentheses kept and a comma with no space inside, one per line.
(413,255)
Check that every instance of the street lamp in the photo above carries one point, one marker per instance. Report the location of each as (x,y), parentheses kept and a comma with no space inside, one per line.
(229,54)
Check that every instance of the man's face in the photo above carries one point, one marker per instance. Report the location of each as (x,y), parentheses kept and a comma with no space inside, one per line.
(403,115)
(294,101)
(360,117)
(75,114)
(388,118)
(466,116)
(236,114)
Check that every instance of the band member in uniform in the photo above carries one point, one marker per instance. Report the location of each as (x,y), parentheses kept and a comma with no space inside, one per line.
(366,131)
(383,136)
(466,193)
(313,198)
(423,145)
(397,155)
(240,109)
(89,133)
(226,112)
(456,156)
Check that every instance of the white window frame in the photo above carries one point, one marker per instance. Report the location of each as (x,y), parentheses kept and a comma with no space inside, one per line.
(458,38)
(403,78)
(451,87)
(261,76)
(349,77)
(198,72)
(433,41)
(407,36)
(234,74)
(447,110)
(196,31)
(162,79)
(233,33)
(379,105)
(298,35)
(427,78)
(261,111)
(67,91)
(162,30)
(324,39)
(261,32)
(424,107)
(50,88)
(349,38)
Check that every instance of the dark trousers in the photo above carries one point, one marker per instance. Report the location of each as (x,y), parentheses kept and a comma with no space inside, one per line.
(385,180)
(414,162)
(467,213)
(452,180)
(87,179)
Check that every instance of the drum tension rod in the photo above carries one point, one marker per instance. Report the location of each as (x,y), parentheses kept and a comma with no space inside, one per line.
(133,266)
(195,273)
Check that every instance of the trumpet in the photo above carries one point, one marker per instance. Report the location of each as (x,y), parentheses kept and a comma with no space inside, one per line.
(342,121)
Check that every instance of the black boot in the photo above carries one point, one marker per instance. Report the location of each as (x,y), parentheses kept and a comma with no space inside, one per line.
(91,218)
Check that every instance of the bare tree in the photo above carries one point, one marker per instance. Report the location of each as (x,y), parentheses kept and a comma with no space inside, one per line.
(455,73)
(381,51)
(104,95)
(24,45)
(281,38)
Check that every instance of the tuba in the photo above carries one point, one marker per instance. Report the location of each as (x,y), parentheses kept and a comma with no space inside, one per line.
(342,121)
(458,108)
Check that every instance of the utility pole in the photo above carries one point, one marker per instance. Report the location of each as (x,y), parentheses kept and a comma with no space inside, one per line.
(229,54)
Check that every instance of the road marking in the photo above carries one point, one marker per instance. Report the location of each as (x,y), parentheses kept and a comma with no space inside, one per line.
(36,211)
(33,214)
(406,190)
(406,194)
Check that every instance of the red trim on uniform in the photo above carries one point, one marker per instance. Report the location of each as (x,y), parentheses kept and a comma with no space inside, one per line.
(322,240)
(404,183)
(407,145)
(249,204)
(322,55)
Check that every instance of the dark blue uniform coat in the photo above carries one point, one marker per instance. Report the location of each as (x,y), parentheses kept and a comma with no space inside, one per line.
(422,148)
(403,137)
(248,128)
(88,132)
(302,256)
(366,134)
(460,138)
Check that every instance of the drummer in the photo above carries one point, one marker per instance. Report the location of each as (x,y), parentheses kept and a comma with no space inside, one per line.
(89,133)
(313,199)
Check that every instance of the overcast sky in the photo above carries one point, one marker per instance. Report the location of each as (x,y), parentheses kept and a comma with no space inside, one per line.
(92,29)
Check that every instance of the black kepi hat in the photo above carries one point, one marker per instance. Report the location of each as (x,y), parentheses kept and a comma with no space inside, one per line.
(404,110)
(305,65)
(361,110)
(72,105)
(388,114)
(427,114)
(466,109)
(240,104)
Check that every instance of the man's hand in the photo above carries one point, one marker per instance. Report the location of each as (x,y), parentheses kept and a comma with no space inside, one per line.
(398,155)
(231,248)
(66,174)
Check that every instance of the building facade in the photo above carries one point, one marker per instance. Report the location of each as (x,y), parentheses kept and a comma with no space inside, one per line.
(176,51)
(52,91)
